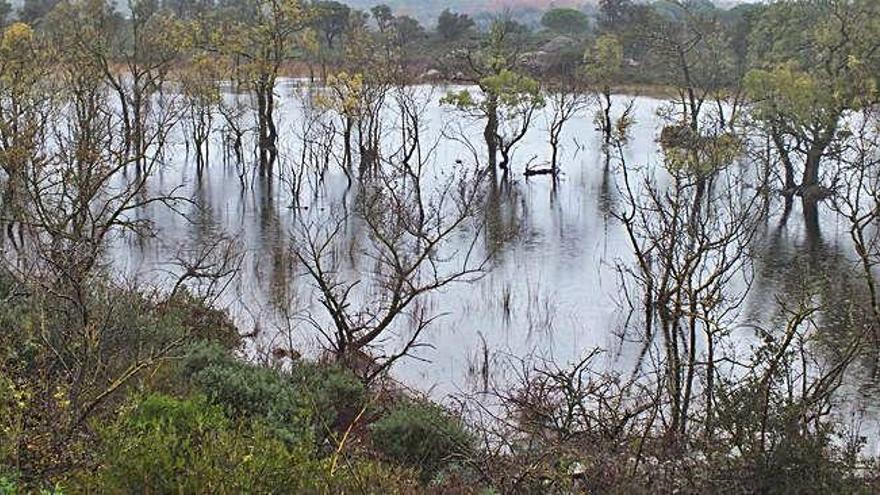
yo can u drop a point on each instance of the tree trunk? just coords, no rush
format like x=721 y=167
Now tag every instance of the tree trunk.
x=790 y=186
x=811 y=170
x=606 y=130
x=262 y=131
x=272 y=131
x=267 y=151
x=490 y=133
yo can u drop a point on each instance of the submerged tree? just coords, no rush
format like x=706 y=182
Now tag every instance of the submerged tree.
x=690 y=238
x=858 y=201
x=343 y=96
x=508 y=104
x=147 y=45
x=604 y=64
x=507 y=98
x=691 y=52
x=259 y=37
x=411 y=248
x=814 y=63
x=200 y=85
x=565 y=103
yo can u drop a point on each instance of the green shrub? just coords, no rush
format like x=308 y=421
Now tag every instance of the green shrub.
x=8 y=486
x=335 y=394
x=167 y=445
x=12 y=408
x=204 y=323
x=248 y=391
x=363 y=476
x=421 y=435
x=308 y=401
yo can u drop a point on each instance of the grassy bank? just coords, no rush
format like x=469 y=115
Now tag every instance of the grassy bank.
x=197 y=417
x=159 y=399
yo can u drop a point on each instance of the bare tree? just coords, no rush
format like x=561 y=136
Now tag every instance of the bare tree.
x=858 y=201
x=413 y=222
x=690 y=257
x=566 y=102
x=24 y=108
x=76 y=199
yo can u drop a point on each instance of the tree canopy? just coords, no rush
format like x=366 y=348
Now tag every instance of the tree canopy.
x=566 y=21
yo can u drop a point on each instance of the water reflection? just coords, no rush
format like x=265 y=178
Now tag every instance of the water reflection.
x=552 y=289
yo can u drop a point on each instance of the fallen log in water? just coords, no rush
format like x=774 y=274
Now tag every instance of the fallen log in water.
x=530 y=172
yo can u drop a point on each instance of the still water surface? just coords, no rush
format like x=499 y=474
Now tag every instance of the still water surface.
x=552 y=288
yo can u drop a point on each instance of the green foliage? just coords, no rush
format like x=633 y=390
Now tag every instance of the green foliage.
x=802 y=99
x=812 y=61
x=690 y=153
x=604 y=61
x=566 y=21
x=13 y=406
x=264 y=36
x=37 y=407
x=167 y=445
x=202 y=322
x=344 y=95
x=332 y=19
x=9 y=486
x=335 y=394
x=243 y=390
x=777 y=447
x=513 y=89
x=365 y=476
x=302 y=405
x=453 y=26
x=511 y=93
x=421 y=435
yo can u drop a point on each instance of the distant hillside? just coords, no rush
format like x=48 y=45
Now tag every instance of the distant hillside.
x=427 y=11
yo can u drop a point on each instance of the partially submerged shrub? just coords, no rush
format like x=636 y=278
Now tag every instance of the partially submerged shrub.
x=421 y=435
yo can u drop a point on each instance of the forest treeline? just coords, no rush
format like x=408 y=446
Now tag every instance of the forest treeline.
x=111 y=386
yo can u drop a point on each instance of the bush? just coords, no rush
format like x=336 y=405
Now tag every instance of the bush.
x=12 y=413
x=167 y=445
x=335 y=394
x=309 y=401
x=362 y=476
x=248 y=391
x=421 y=435
x=204 y=322
x=7 y=486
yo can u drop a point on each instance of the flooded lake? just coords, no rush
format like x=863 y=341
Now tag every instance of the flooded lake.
x=552 y=288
